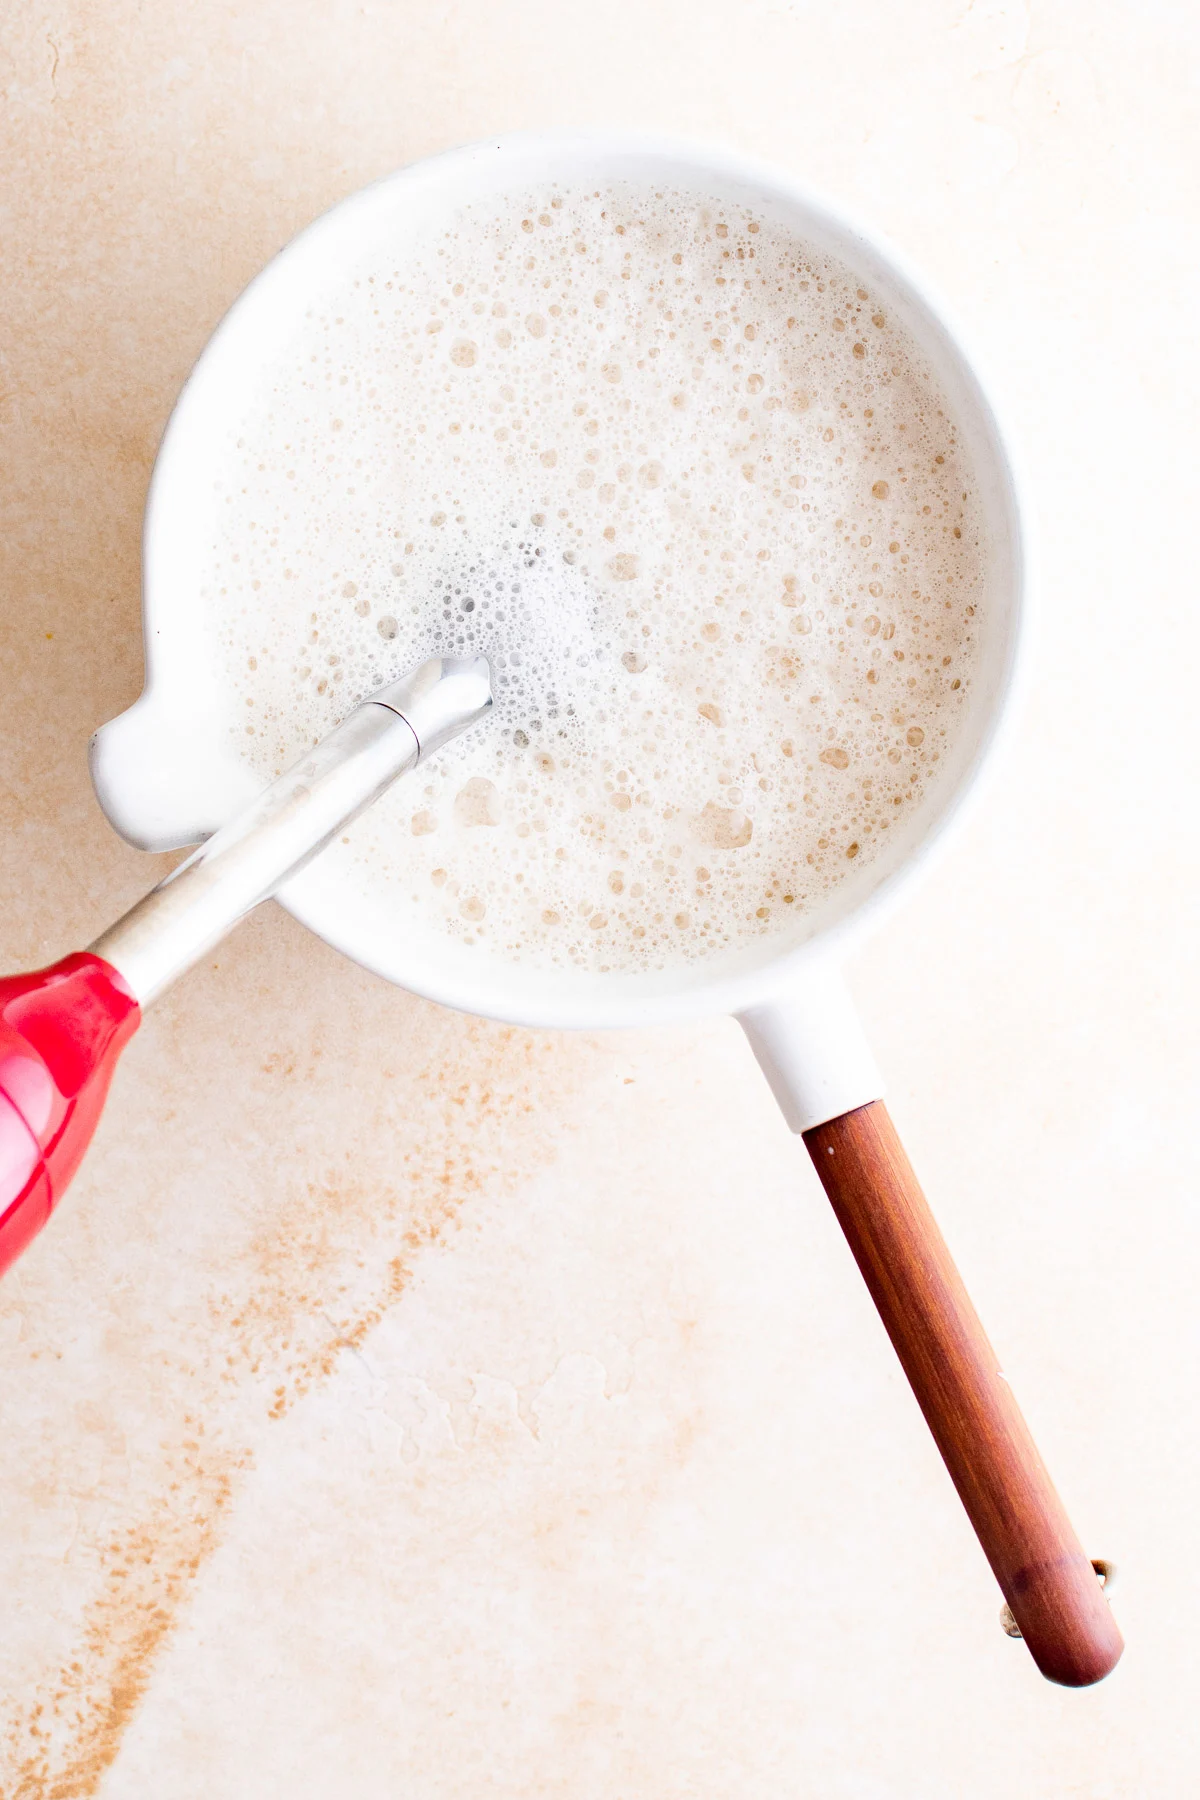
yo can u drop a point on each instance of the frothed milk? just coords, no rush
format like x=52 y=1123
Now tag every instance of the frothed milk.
x=695 y=494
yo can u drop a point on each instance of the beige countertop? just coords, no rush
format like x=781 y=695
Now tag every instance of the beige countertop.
x=404 y=1405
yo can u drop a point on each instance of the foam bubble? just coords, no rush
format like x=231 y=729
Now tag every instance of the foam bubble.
x=702 y=504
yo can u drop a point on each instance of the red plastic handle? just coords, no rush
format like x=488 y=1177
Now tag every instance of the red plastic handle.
x=61 y=1032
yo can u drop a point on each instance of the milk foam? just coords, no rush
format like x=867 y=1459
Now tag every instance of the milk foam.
x=696 y=495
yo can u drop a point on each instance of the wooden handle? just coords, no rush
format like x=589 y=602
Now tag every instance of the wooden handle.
x=1047 y=1580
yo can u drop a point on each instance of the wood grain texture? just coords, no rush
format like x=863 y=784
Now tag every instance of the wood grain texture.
x=1019 y=1519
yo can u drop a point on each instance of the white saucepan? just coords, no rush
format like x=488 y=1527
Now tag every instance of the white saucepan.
x=166 y=777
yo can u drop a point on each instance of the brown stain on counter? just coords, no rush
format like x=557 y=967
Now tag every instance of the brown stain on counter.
x=310 y=1291
x=73 y=1735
